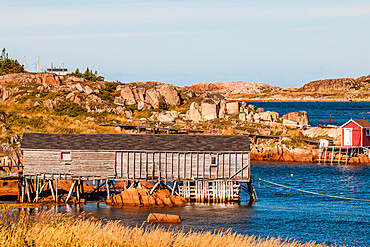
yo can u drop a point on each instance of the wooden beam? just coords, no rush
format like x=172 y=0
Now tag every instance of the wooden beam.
x=70 y=191
x=108 y=189
x=28 y=190
x=56 y=190
x=52 y=189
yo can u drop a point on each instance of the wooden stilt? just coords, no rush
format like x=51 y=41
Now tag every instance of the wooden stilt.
x=332 y=156
x=28 y=191
x=19 y=190
x=154 y=187
x=52 y=189
x=340 y=152
x=82 y=189
x=252 y=192
x=78 y=190
x=23 y=190
x=108 y=189
x=173 y=188
x=56 y=190
x=70 y=191
x=37 y=190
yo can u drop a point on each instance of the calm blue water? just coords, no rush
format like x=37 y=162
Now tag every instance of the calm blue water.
x=340 y=112
x=279 y=212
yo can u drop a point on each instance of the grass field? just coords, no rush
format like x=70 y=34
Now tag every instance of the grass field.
x=50 y=229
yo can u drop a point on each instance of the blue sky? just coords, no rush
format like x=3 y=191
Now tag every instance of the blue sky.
x=284 y=43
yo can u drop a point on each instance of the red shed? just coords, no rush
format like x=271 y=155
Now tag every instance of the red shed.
x=356 y=133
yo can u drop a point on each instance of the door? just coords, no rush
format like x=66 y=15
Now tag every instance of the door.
x=347 y=137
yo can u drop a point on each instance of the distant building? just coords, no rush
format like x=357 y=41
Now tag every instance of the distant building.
x=356 y=133
x=58 y=71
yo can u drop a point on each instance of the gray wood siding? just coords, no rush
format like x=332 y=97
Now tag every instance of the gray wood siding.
x=82 y=163
x=140 y=165
x=181 y=166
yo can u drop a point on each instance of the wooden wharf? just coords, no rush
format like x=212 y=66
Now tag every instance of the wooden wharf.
x=202 y=168
x=338 y=154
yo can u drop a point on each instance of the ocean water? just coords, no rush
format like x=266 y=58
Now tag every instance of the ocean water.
x=340 y=112
x=279 y=212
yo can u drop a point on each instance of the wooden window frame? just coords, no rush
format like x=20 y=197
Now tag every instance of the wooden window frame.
x=66 y=160
x=213 y=157
x=367 y=132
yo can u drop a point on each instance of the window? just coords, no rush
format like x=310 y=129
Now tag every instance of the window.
x=213 y=160
x=367 y=132
x=66 y=156
x=67 y=164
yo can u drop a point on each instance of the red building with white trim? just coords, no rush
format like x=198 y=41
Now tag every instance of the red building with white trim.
x=356 y=133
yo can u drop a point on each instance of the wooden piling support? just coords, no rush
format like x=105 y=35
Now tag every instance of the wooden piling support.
x=108 y=189
x=28 y=191
x=56 y=190
x=70 y=191
x=52 y=189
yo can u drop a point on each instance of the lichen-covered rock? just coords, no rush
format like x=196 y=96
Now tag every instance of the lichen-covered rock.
x=269 y=116
x=103 y=108
x=193 y=113
x=232 y=107
x=119 y=101
x=153 y=97
x=139 y=94
x=127 y=94
x=170 y=94
x=300 y=117
x=157 y=218
x=143 y=105
x=142 y=197
x=209 y=109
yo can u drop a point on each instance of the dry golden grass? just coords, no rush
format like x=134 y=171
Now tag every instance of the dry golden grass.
x=50 y=229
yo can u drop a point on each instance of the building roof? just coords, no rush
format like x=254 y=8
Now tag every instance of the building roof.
x=132 y=142
x=360 y=122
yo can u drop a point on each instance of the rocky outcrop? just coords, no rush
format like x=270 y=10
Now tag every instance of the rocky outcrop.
x=40 y=78
x=298 y=117
x=194 y=113
x=149 y=94
x=170 y=94
x=141 y=197
x=209 y=109
x=336 y=84
x=315 y=132
x=157 y=218
x=167 y=116
x=232 y=107
x=234 y=87
x=127 y=95
x=280 y=152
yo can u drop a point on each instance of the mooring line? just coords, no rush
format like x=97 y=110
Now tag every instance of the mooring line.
x=314 y=193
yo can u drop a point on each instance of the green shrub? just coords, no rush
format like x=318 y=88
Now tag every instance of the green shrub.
x=69 y=108
x=108 y=92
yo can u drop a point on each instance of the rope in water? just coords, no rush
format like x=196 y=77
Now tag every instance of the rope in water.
x=310 y=192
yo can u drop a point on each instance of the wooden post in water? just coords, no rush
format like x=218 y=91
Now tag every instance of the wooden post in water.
x=252 y=193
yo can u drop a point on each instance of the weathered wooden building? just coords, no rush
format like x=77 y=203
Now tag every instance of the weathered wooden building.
x=110 y=157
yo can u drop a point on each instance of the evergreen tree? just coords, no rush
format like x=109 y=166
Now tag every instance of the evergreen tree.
x=8 y=66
